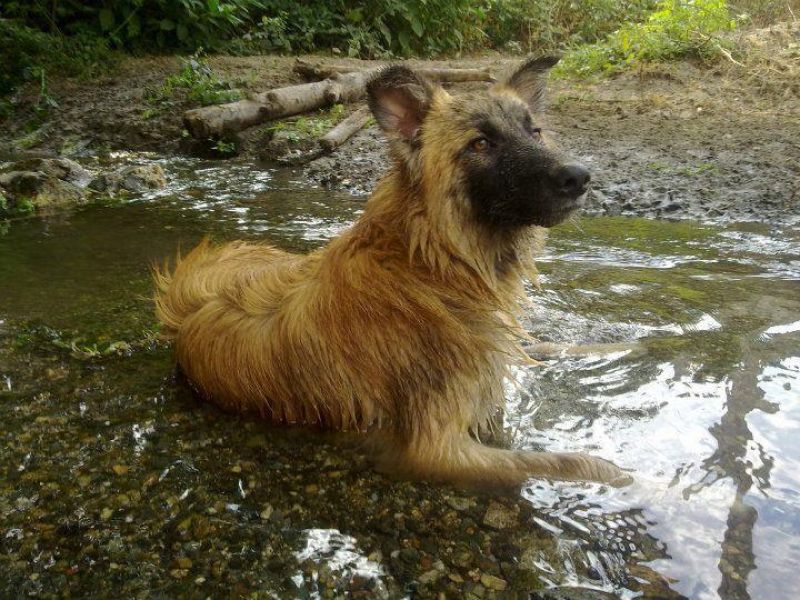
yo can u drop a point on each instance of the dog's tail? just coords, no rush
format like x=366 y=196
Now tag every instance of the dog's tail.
x=177 y=294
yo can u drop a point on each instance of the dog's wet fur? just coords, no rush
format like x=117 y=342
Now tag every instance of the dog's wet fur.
x=403 y=327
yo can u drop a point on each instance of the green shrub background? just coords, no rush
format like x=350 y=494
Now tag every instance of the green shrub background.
x=70 y=37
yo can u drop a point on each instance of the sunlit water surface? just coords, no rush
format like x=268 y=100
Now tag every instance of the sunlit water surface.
x=110 y=470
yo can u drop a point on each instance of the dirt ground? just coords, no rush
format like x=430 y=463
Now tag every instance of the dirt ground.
x=684 y=140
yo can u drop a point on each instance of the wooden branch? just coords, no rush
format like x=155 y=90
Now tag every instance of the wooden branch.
x=445 y=75
x=225 y=119
x=318 y=71
x=345 y=129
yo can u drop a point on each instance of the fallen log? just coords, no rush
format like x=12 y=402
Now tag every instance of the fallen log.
x=223 y=120
x=446 y=75
x=345 y=130
x=317 y=71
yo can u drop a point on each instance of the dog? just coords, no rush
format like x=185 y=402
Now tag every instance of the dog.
x=404 y=326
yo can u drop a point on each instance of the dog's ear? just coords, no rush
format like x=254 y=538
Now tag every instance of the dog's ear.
x=528 y=81
x=399 y=99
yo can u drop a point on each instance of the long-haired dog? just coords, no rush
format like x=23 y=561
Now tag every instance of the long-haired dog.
x=405 y=325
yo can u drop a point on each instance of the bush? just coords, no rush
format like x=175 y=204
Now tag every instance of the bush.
x=367 y=29
x=33 y=54
x=678 y=28
x=141 y=24
x=551 y=24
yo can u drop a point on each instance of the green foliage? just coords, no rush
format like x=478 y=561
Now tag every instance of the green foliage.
x=224 y=148
x=366 y=29
x=141 y=24
x=196 y=83
x=11 y=208
x=678 y=28
x=30 y=53
x=312 y=128
x=359 y=28
x=73 y=37
x=549 y=24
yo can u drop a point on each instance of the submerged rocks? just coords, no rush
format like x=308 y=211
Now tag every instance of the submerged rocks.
x=130 y=178
x=47 y=184
x=42 y=184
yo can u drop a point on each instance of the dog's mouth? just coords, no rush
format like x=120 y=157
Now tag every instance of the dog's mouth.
x=559 y=209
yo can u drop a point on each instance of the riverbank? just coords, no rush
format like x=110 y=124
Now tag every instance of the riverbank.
x=681 y=140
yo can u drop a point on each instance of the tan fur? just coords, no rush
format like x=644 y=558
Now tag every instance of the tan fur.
x=402 y=327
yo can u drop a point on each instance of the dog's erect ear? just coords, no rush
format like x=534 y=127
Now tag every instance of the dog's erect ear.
x=399 y=99
x=528 y=81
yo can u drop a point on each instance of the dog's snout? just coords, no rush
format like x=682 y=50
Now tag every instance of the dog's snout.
x=572 y=179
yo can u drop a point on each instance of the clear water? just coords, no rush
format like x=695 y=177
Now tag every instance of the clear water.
x=114 y=479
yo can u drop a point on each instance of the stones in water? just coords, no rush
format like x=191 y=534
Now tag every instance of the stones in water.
x=130 y=178
x=42 y=184
x=48 y=184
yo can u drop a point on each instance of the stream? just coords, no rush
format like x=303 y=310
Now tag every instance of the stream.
x=116 y=480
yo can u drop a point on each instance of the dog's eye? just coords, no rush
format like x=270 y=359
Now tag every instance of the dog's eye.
x=536 y=132
x=479 y=145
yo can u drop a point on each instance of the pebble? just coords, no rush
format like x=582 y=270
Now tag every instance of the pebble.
x=493 y=583
x=499 y=516
x=430 y=576
x=459 y=504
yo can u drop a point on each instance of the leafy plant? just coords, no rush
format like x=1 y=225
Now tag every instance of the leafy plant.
x=15 y=206
x=678 y=28
x=304 y=128
x=534 y=26
x=224 y=148
x=141 y=24
x=196 y=83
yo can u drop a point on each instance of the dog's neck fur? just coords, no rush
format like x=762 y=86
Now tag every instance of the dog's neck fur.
x=396 y=221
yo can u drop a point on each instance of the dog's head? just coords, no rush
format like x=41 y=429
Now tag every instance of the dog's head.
x=486 y=150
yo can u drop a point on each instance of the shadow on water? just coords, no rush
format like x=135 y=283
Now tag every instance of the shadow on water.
x=114 y=479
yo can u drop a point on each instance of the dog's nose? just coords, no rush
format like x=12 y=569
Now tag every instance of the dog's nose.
x=572 y=179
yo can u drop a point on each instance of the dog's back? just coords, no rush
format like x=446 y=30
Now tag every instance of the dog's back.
x=224 y=305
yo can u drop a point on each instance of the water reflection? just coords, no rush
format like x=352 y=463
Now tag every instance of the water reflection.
x=334 y=557
x=704 y=480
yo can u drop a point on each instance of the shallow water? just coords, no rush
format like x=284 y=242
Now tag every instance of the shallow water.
x=114 y=479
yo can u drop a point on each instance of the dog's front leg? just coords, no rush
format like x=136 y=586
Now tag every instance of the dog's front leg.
x=457 y=458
